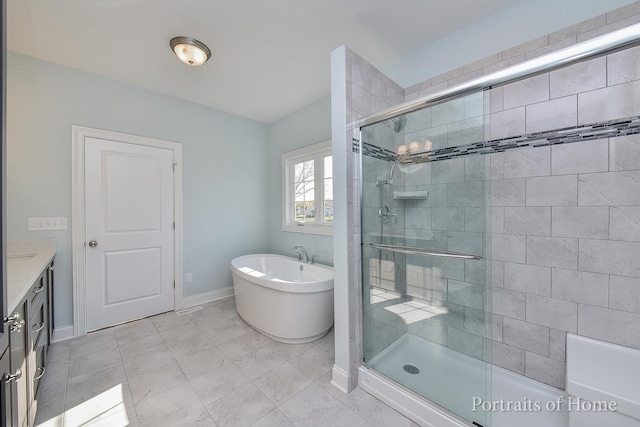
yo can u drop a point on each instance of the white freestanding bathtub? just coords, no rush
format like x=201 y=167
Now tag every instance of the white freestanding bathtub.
x=284 y=299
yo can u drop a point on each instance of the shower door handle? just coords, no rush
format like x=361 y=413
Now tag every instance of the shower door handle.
x=421 y=251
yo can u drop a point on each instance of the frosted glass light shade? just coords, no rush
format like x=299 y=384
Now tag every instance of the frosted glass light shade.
x=190 y=51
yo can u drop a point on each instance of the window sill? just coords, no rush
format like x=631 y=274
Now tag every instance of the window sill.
x=323 y=230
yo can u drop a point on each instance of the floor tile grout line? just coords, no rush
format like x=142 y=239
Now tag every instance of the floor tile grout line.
x=126 y=376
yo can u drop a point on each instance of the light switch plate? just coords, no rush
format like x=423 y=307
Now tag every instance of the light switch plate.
x=40 y=224
x=189 y=277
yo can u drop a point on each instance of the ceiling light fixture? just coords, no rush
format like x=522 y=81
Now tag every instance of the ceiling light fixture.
x=190 y=51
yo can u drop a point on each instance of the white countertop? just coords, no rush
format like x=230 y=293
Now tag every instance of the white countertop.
x=25 y=262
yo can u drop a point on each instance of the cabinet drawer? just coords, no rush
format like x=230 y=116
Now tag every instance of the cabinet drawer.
x=38 y=290
x=39 y=370
x=37 y=322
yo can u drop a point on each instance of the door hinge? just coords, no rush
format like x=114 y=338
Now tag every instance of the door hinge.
x=174 y=166
x=174 y=225
x=174 y=284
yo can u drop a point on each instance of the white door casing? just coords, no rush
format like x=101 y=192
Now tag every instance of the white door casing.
x=127 y=196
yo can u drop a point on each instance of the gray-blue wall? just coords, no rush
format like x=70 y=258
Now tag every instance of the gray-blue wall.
x=225 y=191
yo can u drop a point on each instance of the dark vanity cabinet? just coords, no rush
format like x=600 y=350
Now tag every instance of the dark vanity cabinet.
x=29 y=328
x=40 y=316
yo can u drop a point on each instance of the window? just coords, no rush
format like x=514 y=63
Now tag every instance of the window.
x=308 y=189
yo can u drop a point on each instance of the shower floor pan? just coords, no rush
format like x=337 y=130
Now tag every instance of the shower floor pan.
x=452 y=380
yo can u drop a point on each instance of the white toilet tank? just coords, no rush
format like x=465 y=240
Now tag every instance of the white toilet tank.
x=603 y=381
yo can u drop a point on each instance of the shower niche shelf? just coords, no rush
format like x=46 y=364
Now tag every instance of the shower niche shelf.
x=410 y=195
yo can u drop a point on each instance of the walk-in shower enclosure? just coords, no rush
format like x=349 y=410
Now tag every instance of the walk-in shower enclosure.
x=425 y=225
x=496 y=217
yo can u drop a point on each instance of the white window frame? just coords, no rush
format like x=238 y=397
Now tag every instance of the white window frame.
x=315 y=152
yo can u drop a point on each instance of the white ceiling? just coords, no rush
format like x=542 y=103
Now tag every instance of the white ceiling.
x=269 y=57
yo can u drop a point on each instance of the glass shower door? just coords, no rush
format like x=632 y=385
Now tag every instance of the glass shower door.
x=424 y=231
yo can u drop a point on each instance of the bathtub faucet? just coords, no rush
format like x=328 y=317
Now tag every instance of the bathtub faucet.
x=300 y=250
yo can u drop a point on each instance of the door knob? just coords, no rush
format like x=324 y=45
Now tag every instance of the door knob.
x=93 y=243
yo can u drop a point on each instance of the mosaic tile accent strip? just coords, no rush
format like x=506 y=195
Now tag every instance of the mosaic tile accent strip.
x=608 y=129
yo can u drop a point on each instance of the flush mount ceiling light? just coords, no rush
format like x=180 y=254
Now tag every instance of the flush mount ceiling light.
x=190 y=51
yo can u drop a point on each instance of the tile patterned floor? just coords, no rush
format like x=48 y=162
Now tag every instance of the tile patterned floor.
x=207 y=368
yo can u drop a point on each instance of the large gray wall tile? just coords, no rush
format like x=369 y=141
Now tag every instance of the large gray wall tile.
x=466 y=294
x=465 y=194
x=464 y=342
x=622 y=67
x=552 y=252
x=463 y=242
x=508 y=247
x=496 y=327
x=624 y=153
x=618 y=327
x=474 y=168
x=580 y=157
x=609 y=189
x=507 y=357
x=544 y=369
x=523 y=48
x=497 y=273
x=448 y=218
x=527 y=220
x=475 y=271
x=554 y=313
x=580 y=286
x=625 y=223
x=610 y=257
x=526 y=336
x=532 y=279
x=497 y=165
x=495 y=100
x=579 y=28
x=581 y=221
x=477 y=322
x=447 y=112
x=552 y=191
x=497 y=220
x=508 y=192
x=557 y=344
x=432 y=330
x=527 y=91
x=624 y=293
x=554 y=114
x=595 y=106
x=623 y=12
x=505 y=302
x=527 y=162
x=580 y=77
x=475 y=219
x=451 y=170
x=507 y=123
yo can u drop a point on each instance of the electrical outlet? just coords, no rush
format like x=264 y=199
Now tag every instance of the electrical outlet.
x=40 y=224
x=189 y=277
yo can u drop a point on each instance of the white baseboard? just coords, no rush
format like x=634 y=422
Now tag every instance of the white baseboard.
x=206 y=297
x=62 y=333
x=340 y=379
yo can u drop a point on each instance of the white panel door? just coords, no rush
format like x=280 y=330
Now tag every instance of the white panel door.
x=129 y=232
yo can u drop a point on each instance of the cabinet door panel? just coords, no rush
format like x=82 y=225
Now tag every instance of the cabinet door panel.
x=19 y=347
x=6 y=398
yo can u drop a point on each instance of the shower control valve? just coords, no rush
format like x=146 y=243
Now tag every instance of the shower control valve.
x=385 y=215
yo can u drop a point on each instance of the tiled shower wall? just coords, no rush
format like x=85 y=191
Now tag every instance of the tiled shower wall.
x=367 y=90
x=565 y=219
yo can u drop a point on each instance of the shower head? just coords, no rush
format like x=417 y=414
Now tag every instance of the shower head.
x=399 y=123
